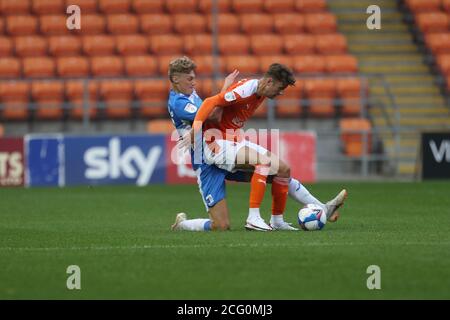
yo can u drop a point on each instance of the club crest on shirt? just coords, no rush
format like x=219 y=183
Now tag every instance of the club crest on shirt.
x=190 y=108
x=230 y=96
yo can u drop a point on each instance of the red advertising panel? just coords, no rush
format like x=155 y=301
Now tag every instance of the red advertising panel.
x=179 y=168
x=11 y=162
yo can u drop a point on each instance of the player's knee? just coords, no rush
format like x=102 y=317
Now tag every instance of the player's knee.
x=284 y=170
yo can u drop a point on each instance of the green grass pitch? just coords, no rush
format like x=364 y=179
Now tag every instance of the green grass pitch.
x=120 y=238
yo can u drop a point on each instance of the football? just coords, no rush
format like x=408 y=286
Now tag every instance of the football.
x=312 y=217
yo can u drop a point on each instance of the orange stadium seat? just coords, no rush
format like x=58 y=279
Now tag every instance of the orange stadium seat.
x=311 y=5
x=98 y=45
x=134 y=44
x=148 y=6
x=10 y=67
x=86 y=6
x=141 y=66
x=334 y=43
x=206 y=6
x=266 y=44
x=15 y=7
x=288 y=23
x=75 y=94
x=233 y=44
x=48 y=6
x=443 y=62
x=309 y=64
x=266 y=60
x=446 y=5
x=156 y=23
x=123 y=23
x=349 y=90
x=64 y=45
x=92 y=24
x=72 y=67
x=181 y=6
x=321 y=94
x=2 y=25
x=205 y=64
x=189 y=23
x=114 y=6
x=152 y=95
x=248 y=6
x=49 y=96
x=341 y=64
x=320 y=23
x=289 y=104
x=279 y=6
x=53 y=25
x=424 y=5
x=30 y=46
x=107 y=66
x=160 y=126
x=352 y=131
x=198 y=44
x=226 y=23
x=299 y=44
x=209 y=87
x=15 y=97
x=6 y=46
x=433 y=22
x=256 y=23
x=117 y=95
x=166 y=44
x=38 y=67
x=21 y=25
x=245 y=64
x=438 y=42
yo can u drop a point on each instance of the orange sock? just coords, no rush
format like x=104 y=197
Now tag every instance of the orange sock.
x=280 y=188
x=258 y=186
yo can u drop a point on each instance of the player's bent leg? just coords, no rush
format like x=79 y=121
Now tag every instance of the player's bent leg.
x=219 y=216
x=182 y=223
x=334 y=204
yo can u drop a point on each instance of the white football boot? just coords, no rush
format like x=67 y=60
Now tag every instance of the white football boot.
x=334 y=204
x=257 y=224
x=179 y=218
x=282 y=226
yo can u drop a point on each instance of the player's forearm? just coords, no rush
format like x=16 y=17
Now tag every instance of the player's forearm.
x=204 y=111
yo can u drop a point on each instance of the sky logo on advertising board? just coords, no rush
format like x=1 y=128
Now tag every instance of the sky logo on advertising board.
x=110 y=162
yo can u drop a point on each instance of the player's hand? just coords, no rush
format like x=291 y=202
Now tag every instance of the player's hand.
x=186 y=141
x=229 y=80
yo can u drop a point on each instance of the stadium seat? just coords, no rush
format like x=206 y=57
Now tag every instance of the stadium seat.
x=160 y=126
x=92 y=24
x=134 y=44
x=299 y=44
x=206 y=6
x=209 y=87
x=306 y=6
x=114 y=6
x=156 y=24
x=433 y=22
x=72 y=66
x=438 y=42
x=14 y=7
x=253 y=23
x=232 y=44
x=181 y=6
x=423 y=5
x=21 y=25
x=309 y=64
x=49 y=96
x=98 y=45
x=288 y=23
x=247 y=65
x=107 y=66
x=2 y=25
x=117 y=95
x=10 y=67
x=352 y=131
x=50 y=25
x=248 y=6
x=15 y=97
x=279 y=6
x=75 y=94
x=189 y=23
x=38 y=67
x=140 y=66
x=446 y=5
x=266 y=60
x=206 y=64
x=166 y=44
x=148 y=6
x=226 y=23
x=341 y=64
x=443 y=62
x=331 y=43
x=153 y=95
x=266 y=44
x=198 y=44
x=30 y=46
x=320 y=23
x=321 y=94
x=349 y=90
x=122 y=23
x=86 y=6
x=64 y=46
x=41 y=7
x=6 y=46
x=289 y=103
